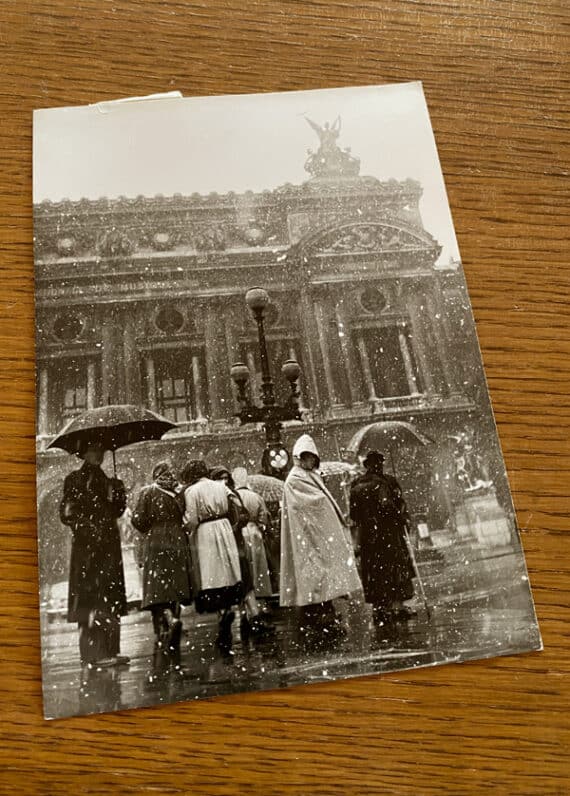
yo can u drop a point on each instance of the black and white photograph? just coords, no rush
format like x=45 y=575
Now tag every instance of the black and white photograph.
x=266 y=454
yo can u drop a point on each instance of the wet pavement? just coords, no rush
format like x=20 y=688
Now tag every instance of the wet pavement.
x=484 y=619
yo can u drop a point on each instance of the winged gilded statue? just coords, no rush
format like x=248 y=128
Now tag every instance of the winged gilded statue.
x=328 y=134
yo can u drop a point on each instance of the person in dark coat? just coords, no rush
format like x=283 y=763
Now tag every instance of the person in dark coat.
x=166 y=564
x=378 y=509
x=91 y=505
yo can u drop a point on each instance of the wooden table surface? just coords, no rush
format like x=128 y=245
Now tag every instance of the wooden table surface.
x=497 y=79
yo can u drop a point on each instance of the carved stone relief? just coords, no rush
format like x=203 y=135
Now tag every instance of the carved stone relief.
x=367 y=237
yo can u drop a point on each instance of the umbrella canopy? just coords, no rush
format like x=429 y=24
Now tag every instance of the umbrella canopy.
x=268 y=487
x=328 y=469
x=113 y=426
x=386 y=434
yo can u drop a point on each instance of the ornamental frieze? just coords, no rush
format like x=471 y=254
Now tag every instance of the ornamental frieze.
x=131 y=289
x=163 y=240
x=119 y=228
x=65 y=239
x=365 y=237
x=115 y=243
x=210 y=238
x=124 y=241
x=254 y=234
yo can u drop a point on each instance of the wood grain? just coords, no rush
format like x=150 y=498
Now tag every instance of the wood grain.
x=497 y=82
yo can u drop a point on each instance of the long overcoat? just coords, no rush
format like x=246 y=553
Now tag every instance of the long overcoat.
x=378 y=509
x=214 y=552
x=91 y=505
x=254 y=542
x=166 y=559
x=317 y=557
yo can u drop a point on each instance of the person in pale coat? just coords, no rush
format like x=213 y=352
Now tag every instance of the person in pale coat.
x=317 y=557
x=252 y=623
x=215 y=557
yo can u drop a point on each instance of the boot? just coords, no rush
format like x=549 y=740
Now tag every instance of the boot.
x=159 y=667
x=403 y=614
x=335 y=630
x=330 y=625
x=257 y=627
x=244 y=629
x=310 y=632
x=173 y=632
x=224 y=640
x=381 y=616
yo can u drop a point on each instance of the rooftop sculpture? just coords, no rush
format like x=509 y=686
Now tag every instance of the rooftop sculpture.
x=330 y=161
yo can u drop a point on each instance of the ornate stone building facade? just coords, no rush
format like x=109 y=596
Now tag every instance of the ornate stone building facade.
x=142 y=301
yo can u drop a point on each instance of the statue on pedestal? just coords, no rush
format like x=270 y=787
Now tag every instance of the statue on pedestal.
x=477 y=514
x=470 y=470
x=330 y=160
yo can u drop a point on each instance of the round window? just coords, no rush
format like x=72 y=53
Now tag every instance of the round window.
x=162 y=241
x=169 y=320
x=65 y=246
x=373 y=300
x=67 y=327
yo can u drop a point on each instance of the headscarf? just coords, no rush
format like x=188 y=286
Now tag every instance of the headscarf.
x=193 y=471
x=163 y=477
x=216 y=474
x=240 y=477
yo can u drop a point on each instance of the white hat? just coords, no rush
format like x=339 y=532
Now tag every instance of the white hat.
x=240 y=477
x=305 y=444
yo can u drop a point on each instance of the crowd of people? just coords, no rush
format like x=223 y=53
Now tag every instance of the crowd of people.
x=204 y=543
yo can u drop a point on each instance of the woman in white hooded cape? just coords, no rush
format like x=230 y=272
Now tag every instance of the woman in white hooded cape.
x=317 y=556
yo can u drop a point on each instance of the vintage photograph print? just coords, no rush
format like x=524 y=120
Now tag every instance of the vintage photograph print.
x=266 y=454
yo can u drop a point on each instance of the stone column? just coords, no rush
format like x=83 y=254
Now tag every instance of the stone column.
x=375 y=402
x=217 y=365
x=348 y=351
x=408 y=364
x=457 y=362
x=293 y=355
x=150 y=383
x=197 y=380
x=131 y=357
x=231 y=327
x=436 y=367
x=111 y=360
x=254 y=383
x=443 y=351
x=319 y=314
x=315 y=379
x=43 y=416
x=417 y=311
x=91 y=385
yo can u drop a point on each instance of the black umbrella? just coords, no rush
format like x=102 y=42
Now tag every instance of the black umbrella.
x=113 y=426
x=387 y=435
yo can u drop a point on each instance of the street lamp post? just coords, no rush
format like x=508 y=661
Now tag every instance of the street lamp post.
x=269 y=413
